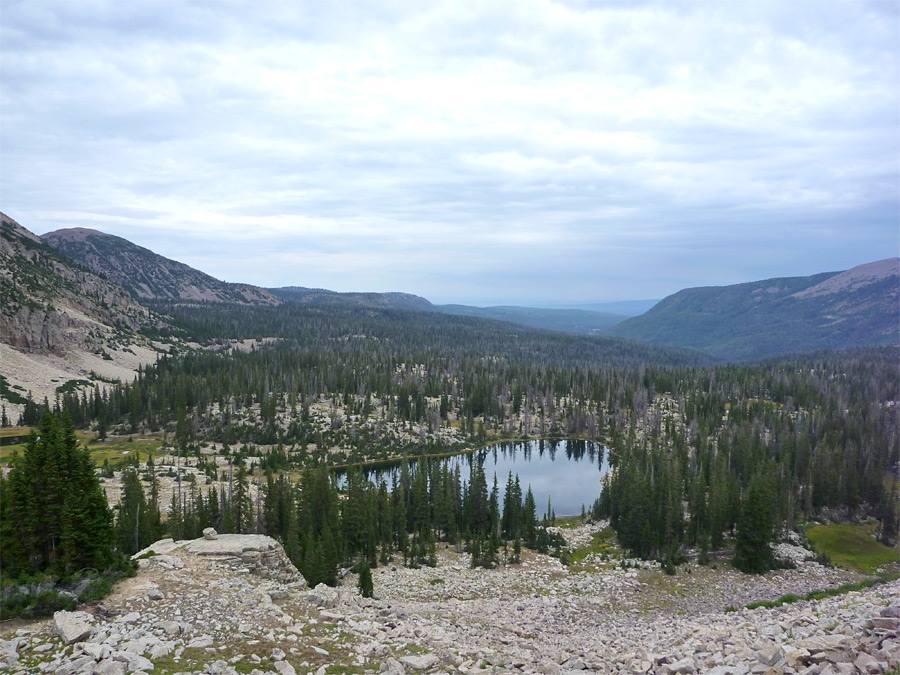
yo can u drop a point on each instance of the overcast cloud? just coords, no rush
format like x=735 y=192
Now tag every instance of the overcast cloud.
x=526 y=152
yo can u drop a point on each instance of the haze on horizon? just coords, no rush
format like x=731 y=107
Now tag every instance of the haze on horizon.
x=528 y=152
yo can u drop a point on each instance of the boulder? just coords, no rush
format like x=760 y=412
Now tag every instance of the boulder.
x=210 y=534
x=419 y=661
x=322 y=596
x=72 y=626
x=284 y=668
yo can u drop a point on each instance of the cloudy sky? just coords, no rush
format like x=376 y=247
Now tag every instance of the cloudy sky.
x=528 y=152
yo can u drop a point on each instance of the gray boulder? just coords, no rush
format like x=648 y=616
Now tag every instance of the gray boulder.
x=72 y=626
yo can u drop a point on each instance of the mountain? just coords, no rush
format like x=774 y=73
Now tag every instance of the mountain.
x=313 y=296
x=564 y=320
x=148 y=275
x=833 y=310
x=48 y=304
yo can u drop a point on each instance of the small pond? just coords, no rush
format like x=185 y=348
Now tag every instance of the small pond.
x=568 y=472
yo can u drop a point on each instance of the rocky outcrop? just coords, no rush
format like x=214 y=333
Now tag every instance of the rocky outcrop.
x=248 y=553
x=48 y=304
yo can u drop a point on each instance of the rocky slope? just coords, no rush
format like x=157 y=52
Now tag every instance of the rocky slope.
x=236 y=605
x=835 y=310
x=148 y=275
x=61 y=323
x=48 y=304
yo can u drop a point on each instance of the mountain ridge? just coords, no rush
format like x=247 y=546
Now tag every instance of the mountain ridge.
x=830 y=310
x=148 y=275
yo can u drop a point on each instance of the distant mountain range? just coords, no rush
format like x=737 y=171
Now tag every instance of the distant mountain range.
x=564 y=320
x=148 y=275
x=834 y=310
x=46 y=295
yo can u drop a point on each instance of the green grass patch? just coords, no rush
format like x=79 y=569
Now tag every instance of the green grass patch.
x=852 y=547
x=603 y=541
x=823 y=593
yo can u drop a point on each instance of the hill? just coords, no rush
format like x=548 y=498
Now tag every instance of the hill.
x=148 y=275
x=50 y=304
x=833 y=310
x=564 y=320
x=61 y=325
x=315 y=296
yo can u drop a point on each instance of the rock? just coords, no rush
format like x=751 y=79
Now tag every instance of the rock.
x=892 y=612
x=201 y=642
x=320 y=651
x=72 y=626
x=110 y=667
x=134 y=662
x=797 y=658
x=278 y=654
x=284 y=668
x=322 y=596
x=683 y=667
x=770 y=655
x=170 y=628
x=331 y=617
x=210 y=534
x=574 y=664
x=155 y=594
x=391 y=666
x=548 y=667
x=75 y=665
x=419 y=661
x=130 y=618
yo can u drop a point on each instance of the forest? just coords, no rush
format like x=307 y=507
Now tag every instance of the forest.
x=705 y=455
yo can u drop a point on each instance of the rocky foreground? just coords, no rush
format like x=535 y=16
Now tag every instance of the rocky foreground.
x=235 y=604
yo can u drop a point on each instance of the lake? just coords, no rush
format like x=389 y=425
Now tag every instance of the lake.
x=568 y=472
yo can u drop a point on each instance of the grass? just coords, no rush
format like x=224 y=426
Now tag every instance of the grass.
x=603 y=541
x=852 y=547
x=823 y=593
x=113 y=449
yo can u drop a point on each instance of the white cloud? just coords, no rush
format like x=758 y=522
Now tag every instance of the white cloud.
x=437 y=149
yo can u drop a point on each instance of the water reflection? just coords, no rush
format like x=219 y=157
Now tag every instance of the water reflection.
x=568 y=472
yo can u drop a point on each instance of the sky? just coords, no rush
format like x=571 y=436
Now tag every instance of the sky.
x=523 y=152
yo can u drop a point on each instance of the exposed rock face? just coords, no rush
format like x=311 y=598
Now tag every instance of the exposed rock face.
x=147 y=275
x=48 y=304
x=253 y=553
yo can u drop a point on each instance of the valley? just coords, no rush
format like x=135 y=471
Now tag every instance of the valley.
x=180 y=403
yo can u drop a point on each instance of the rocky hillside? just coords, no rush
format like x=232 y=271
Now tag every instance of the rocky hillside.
x=148 y=275
x=48 y=304
x=234 y=604
x=834 y=310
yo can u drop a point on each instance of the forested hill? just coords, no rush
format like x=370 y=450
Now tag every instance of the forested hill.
x=566 y=320
x=834 y=310
x=318 y=296
x=148 y=275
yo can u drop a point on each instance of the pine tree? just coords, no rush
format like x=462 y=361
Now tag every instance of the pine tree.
x=366 y=587
x=756 y=527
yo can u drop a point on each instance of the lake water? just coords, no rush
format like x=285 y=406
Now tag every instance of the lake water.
x=567 y=471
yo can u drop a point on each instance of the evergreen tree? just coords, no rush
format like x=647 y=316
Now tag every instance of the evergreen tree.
x=366 y=587
x=756 y=527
